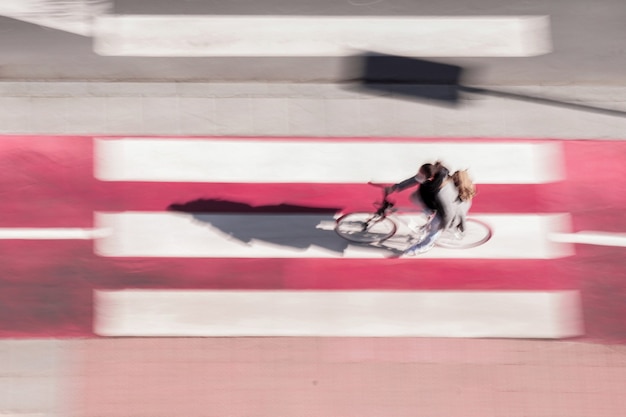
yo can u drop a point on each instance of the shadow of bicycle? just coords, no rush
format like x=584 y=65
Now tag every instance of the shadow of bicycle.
x=288 y=225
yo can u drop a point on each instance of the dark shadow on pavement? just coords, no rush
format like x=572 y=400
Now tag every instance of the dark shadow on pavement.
x=411 y=78
x=283 y=224
x=434 y=82
x=227 y=206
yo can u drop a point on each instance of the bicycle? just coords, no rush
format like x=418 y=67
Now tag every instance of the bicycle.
x=375 y=228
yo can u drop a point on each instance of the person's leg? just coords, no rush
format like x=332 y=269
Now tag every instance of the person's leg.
x=464 y=209
x=416 y=224
x=434 y=230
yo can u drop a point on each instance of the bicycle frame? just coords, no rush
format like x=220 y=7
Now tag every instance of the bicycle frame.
x=386 y=209
x=382 y=225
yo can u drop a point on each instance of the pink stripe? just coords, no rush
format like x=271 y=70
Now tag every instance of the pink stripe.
x=47 y=182
x=349 y=274
x=596 y=186
x=596 y=197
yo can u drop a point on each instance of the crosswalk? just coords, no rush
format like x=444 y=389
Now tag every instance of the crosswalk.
x=148 y=224
x=212 y=232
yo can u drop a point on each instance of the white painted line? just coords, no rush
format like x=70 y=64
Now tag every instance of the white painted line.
x=73 y=16
x=591 y=238
x=193 y=36
x=308 y=161
x=162 y=313
x=167 y=234
x=51 y=233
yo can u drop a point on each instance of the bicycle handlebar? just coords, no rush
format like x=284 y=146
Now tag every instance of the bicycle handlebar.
x=383 y=186
x=375 y=184
x=385 y=204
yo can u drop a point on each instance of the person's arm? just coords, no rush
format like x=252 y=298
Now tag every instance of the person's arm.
x=403 y=185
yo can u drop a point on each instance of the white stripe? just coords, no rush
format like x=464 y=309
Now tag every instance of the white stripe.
x=73 y=16
x=158 y=234
x=306 y=161
x=529 y=314
x=159 y=35
x=51 y=233
x=592 y=238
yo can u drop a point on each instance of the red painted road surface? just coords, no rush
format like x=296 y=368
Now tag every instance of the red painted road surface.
x=46 y=285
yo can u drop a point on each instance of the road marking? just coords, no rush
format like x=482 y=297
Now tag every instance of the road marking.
x=278 y=36
x=591 y=238
x=319 y=161
x=170 y=234
x=518 y=314
x=73 y=16
x=51 y=233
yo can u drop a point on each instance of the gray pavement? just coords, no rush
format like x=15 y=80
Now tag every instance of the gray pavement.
x=306 y=109
x=587 y=38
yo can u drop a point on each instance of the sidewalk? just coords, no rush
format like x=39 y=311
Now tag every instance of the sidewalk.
x=367 y=377
x=266 y=109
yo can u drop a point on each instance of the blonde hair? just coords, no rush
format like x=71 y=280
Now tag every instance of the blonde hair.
x=463 y=182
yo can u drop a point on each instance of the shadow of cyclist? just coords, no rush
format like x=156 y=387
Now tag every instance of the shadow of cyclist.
x=284 y=224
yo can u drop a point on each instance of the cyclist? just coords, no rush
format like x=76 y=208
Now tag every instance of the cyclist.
x=440 y=198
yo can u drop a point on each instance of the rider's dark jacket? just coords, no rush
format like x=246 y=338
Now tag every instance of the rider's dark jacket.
x=428 y=190
x=440 y=197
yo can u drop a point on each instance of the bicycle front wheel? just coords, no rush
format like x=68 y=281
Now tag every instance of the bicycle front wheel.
x=476 y=233
x=365 y=227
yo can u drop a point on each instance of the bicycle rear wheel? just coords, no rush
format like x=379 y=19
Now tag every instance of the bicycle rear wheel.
x=364 y=227
x=476 y=233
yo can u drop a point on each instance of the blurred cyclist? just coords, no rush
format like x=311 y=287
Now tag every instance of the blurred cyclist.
x=440 y=198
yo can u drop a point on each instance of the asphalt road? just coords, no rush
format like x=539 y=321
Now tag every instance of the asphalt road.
x=588 y=39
